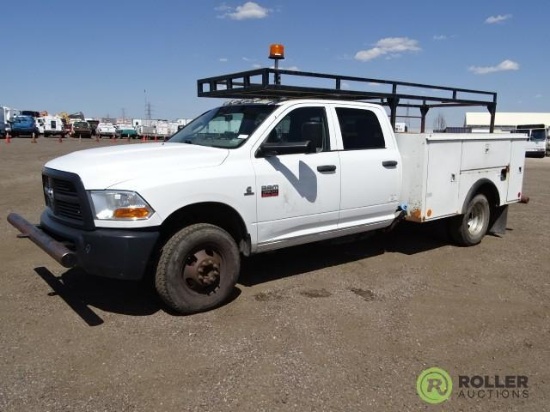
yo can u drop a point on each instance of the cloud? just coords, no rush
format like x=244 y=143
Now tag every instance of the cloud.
x=391 y=46
x=224 y=59
x=249 y=10
x=497 y=19
x=506 y=65
x=440 y=37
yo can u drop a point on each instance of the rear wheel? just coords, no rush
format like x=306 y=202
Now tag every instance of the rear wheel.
x=468 y=229
x=198 y=268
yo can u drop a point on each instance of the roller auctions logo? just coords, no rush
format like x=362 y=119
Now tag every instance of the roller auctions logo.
x=434 y=385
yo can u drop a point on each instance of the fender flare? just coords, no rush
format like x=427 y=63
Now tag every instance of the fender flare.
x=482 y=186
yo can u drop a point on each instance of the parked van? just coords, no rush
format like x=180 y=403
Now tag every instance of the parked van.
x=52 y=125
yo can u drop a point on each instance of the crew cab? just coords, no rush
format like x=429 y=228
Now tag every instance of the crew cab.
x=257 y=175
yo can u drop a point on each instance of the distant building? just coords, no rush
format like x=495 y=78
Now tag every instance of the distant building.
x=504 y=121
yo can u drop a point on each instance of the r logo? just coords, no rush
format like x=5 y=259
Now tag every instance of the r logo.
x=434 y=385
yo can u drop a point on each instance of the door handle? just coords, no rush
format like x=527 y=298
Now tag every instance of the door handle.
x=326 y=168
x=389 y=163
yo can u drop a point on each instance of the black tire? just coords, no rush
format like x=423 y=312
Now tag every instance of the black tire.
x=468 y=229
x=198 y=268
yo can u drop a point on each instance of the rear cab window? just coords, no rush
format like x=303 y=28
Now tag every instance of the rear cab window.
x=360 y=129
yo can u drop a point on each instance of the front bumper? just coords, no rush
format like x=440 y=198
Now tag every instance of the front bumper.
x=113 y=253
x=536 y=152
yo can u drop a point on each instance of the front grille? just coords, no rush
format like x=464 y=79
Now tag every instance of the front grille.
x=68 y=209
x=65 y=196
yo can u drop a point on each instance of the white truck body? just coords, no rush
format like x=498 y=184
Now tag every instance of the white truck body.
x=51 y=125
x=433 y=172
x=439 y=170
x=154 y=127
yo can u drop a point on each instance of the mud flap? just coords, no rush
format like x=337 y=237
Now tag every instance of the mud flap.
x=499 y=220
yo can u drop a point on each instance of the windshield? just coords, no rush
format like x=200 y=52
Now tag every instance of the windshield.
x=224 y=127
x=535 y=135
x=23 y=119
x=538 y=135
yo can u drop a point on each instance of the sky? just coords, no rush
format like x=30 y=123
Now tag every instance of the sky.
x=114 y=58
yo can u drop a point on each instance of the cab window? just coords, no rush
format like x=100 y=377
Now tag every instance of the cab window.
x=360 y=129
x=303 y=124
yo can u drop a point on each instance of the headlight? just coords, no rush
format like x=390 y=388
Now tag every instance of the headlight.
x=119 y=205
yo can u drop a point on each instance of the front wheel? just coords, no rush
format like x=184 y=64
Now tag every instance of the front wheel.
x=468 y=229
x=198 y=268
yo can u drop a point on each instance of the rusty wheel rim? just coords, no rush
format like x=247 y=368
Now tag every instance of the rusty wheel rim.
x=201 y=270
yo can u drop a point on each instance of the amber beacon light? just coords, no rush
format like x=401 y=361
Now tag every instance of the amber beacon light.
x=276 y=52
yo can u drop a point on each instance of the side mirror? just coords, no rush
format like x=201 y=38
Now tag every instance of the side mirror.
x=281 y=148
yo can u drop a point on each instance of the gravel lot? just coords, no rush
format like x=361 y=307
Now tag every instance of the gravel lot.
x=325 y=327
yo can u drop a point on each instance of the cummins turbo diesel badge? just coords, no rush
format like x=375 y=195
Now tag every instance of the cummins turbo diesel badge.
x=270 y=191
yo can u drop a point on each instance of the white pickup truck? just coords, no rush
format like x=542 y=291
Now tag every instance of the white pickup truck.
x=254 y=176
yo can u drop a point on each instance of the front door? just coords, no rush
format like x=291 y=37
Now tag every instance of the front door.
x=298 y=195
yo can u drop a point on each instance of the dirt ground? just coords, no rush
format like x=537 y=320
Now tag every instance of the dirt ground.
x=325 y=327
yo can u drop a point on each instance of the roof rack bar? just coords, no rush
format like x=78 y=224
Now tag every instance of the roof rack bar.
x=268 y=83
x=264 y=73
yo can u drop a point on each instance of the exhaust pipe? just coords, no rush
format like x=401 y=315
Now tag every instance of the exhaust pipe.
x=52 y=247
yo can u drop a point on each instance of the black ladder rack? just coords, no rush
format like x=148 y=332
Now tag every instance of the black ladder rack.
x=267 y=83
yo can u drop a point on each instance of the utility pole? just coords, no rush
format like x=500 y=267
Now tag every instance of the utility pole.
x=145 y=106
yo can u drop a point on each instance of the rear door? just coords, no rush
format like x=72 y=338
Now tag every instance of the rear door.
x=370 y=169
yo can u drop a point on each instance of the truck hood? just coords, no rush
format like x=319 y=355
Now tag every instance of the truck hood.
x=104 y=167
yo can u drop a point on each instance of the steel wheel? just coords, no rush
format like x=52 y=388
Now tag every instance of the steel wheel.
x=201 y=271
x=477 y=219
x=468 y=229
x=198 y=268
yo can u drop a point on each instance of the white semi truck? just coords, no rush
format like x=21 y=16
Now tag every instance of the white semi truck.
x=277 y=167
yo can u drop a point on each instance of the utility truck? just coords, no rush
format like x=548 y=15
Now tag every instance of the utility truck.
x=279 y=165
x=538 y=136
x=52 y=125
